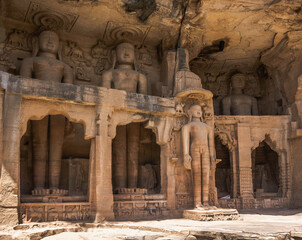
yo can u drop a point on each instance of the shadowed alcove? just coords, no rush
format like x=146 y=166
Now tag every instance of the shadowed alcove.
x=74 y=160
x=265 y=171
x=135 y=159
x=223 y=170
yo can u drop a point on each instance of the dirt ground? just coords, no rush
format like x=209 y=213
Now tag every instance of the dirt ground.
x=253 y=224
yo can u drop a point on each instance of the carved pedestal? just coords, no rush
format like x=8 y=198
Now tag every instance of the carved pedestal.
x=211 y=214
x=138 y=205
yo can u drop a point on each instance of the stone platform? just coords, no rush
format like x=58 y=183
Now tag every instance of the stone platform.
x=135 y=203
x=52 y=198
x=211 y=214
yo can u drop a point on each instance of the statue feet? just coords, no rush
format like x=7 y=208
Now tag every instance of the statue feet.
x=40 y=192
x=47 y=192
x=59 y=192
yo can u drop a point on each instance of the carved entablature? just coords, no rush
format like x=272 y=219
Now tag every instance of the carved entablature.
x=226 y=133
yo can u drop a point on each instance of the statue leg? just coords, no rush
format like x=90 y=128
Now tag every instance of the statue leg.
x=56 y=132
x=196 y=168
x=40 y=151
x=132 y=153
x=119 y=158
x=205 y=177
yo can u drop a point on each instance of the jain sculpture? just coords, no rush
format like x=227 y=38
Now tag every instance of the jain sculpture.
x=198 y=152
x=45 y=65
x=239 y=103
x=124 y=76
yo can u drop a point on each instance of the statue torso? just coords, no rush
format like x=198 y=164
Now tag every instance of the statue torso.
x=125 y=80
x=241 y=104
x=198 y=133
x=48 y=69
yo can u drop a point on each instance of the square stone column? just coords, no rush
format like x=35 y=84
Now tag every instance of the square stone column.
x=102 y=203
x=1 y=126
x=10 y=169
x=170 y=184
x=245 y=165
x=234 y=172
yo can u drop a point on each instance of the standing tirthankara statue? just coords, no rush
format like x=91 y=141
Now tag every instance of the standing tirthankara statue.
x=238 y=103
x=45 y=65
x=124 y=76
x=198 y=152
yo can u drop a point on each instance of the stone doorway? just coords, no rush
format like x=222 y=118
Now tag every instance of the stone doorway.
x=223 y=178
x=265 y=164
x=73 y=172
x=135 y=159
x=136 y=174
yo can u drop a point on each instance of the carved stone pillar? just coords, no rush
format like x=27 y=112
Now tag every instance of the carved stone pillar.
x=1 y=126
x=284 y=182
x=169 y=185
x=103 y=167
x=245 y=164
x=119 y=158
x=10 y=177
x=234 y=172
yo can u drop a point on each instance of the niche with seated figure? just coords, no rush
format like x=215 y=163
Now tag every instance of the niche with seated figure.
x=54 y=161
x=265 y=171
x=135 y=160
x=223 y=170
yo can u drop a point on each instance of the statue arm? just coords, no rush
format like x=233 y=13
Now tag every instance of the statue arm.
x=68 y=75
x=106 y=79
x=26 y=69
x=254 y=107
x=226 y=106
x=185 y=133
x=142 y=84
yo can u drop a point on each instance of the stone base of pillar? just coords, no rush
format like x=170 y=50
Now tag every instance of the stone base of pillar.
x=211 y=214
x=247 y=202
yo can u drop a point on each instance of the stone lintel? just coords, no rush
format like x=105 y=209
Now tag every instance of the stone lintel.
x=85 y=95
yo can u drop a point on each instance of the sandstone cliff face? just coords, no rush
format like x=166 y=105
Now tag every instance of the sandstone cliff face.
x=261 y=38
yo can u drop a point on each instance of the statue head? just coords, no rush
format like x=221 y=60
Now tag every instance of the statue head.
x=125 y=53
x=238 y=81
x=49 y=42
x=195 y=111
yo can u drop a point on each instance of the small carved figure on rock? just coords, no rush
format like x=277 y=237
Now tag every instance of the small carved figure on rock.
x=75 y=51
x=198 y=152
x=16 y=39
x=48 y=133
x=239 y=103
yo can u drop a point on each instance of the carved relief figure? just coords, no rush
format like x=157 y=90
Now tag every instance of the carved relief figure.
x=126 y=143
x=198 y=152
x=16 y=39
x=46 y=66
x=239 y=103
